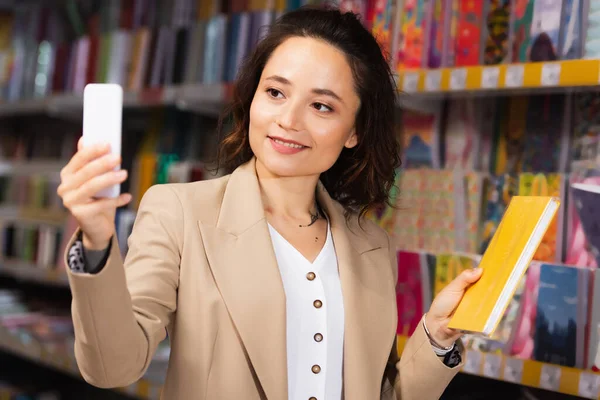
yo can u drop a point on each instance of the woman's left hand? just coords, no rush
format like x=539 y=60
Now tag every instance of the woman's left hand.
x=443 y=307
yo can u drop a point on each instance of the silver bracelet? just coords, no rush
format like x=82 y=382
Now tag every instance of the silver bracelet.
x=437 y=348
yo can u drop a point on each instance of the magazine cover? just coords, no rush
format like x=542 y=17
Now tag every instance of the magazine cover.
x=521 y=30
x=497 y=32
x=469 y=36
x=545 y=30
x=414 y=26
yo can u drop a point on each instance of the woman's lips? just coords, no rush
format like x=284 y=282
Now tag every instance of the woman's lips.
x=284 y=146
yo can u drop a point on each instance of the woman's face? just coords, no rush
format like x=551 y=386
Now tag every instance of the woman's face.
x=303 y=112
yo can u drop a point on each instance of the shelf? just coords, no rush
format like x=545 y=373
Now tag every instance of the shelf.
x=34 y=167
x=26 y=271
x=556 y=378
x=537 y=76
x=210 y=98
x=32 y=215
x=37 y=352
x=202 y=98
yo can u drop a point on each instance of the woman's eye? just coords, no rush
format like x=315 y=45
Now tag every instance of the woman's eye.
x=275 y=93
x=322 y=107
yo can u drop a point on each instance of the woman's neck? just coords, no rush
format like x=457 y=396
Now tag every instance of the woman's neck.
x=291 y=198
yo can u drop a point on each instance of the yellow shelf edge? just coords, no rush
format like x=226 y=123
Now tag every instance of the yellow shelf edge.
x=564 y=73
x=531 y=375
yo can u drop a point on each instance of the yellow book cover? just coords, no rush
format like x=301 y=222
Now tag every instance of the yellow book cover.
x=504 y=263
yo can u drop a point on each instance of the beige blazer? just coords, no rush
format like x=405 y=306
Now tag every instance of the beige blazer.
x=201 y=267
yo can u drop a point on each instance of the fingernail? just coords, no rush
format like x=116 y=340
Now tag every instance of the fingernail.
x=121 y=173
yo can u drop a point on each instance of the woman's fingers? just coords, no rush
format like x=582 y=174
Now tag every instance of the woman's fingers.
x=83 y=211
x=90 y=170
x=88 y=189
x=464 y=280
x=82 y=157
x=447 y=300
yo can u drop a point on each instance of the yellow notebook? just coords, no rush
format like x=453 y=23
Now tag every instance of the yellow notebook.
x=504 y=263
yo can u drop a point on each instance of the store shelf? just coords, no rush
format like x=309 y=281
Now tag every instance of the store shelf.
x=38 y=353
x=34 y=167
x=26 y=271
x=509 y=77
x=32 y=215
x=530 y=373
x=203 y=98
x=22 y=107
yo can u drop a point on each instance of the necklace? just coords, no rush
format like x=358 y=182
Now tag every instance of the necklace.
x=313 y=217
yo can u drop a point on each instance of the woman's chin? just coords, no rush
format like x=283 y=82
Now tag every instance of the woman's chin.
x=284 y=169
x=282 y=166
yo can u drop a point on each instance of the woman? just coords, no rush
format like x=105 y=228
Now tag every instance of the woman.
x=269 y=281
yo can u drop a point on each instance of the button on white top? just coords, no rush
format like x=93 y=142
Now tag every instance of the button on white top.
x=306 y=323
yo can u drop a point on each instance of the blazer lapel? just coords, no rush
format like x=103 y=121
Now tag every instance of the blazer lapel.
x=241 y=256
x=369 y=302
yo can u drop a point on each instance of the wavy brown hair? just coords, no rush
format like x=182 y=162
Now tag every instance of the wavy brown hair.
x=363 y=176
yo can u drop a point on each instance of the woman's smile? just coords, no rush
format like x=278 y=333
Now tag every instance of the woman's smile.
x=285 y=146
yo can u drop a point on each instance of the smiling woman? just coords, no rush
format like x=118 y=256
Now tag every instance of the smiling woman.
x=302 y=113
x=319 y=86
x=270 y=282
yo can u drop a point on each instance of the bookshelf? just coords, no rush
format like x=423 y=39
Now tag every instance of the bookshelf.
x=39 y=353
x=495 y=79
x=196 y=77
x=552 y=377
x=206 y=99
x=29 y=272
x=48 y=167
x=209 y=99
x=32 y=215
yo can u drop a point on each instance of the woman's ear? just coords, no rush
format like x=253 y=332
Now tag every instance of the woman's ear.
x=352 y=140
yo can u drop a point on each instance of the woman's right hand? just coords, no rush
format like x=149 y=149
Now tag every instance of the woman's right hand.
x=90 y=170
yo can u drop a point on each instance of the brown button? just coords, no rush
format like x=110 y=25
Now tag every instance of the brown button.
x=311 y=276
x=318 y=337
x=318 y=303
x=312 y=398
x=316 y=369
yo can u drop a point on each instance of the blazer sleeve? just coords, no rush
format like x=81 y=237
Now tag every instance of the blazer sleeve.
x=421 y=374
x=120 y=314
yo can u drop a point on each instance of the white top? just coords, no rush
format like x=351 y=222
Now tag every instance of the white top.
x=315 y=332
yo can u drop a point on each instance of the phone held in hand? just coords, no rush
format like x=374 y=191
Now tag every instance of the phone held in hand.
x=102 y=122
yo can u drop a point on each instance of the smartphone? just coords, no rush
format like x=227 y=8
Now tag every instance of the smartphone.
x=102 y=122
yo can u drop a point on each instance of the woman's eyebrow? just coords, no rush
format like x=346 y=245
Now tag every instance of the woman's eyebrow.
x=321 y=91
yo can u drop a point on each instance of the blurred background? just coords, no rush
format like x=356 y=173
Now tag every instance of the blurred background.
x=496 y=98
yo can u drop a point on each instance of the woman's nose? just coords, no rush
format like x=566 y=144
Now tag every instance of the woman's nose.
x=289 y=117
